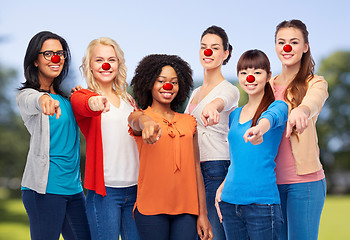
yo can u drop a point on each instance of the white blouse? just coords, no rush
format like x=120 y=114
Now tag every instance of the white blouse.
x=120 y=154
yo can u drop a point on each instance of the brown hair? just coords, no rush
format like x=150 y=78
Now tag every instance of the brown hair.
x=257 y=59
x=298 y=86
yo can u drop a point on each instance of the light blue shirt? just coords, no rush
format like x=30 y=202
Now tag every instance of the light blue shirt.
x=251 y=177
x=64 y=171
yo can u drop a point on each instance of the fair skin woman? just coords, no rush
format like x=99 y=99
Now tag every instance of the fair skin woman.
x=212 y=77
x=298 y=117
x=299 y=173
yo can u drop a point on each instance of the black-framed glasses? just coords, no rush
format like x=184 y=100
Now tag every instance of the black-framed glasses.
x=48 y=54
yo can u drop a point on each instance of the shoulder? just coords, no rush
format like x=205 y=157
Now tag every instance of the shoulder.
x=83 y=93
x=278 y=104
x=228 y=86
x=316 y=79
x=28 y=91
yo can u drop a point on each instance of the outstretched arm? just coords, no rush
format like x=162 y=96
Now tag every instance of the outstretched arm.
x=145 y=126
x=255 y=134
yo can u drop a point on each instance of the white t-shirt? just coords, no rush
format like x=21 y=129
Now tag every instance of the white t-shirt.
x=120 y=153
x=212 y=140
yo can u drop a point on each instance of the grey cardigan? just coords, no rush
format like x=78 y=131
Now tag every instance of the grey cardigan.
x=36 y=171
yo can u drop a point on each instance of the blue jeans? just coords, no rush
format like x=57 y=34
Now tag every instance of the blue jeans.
x=166 y=227
x=302 y=205
x=214 y=173
x=53 y=214
x=112 y=215
x=253 y=221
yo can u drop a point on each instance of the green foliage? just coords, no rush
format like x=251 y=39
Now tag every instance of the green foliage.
x=334 y=121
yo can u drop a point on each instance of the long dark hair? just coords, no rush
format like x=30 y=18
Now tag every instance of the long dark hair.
x=258 y=59
x=222 y=34
x=31 y=71
x=298 y=86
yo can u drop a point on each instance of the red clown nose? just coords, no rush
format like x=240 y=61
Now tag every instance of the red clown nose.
x=208 y=52
x=106 y=66
x=287 y=48
x=250 y=78
x=55 y=59
x=168 y=86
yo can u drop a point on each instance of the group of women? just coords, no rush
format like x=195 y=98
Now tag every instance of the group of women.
x=217 y=171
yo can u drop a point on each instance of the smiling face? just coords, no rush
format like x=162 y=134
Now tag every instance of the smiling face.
x=102 y=54
x=293 y=37
x=254 y=86
x=167 y=95
x=47 y=70
x=213 y=42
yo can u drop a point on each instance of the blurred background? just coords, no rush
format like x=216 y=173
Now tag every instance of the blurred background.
x=175 y=27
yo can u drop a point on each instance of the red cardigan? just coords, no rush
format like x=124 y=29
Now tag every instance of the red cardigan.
x=90 y=125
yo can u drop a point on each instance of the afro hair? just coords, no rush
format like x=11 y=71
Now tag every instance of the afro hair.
x=147 y=72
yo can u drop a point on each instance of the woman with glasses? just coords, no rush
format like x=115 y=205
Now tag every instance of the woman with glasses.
x=51 y=188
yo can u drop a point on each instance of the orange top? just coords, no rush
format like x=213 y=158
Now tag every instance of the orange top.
x=167 y=178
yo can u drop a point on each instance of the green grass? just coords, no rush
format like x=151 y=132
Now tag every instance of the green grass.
x=334 y=221
x=335 y=218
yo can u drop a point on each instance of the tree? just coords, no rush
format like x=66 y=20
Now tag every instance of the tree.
x=334 y=121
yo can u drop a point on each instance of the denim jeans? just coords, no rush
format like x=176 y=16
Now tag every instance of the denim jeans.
x=253 y=221
x=53 y=214
x=112 y=215
x=214 y=173
x=302 y=205
x=166 y=227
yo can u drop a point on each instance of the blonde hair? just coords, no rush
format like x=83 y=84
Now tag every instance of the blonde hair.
x=119 y=83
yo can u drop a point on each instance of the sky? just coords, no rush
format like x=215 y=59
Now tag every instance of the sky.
x=170 y=27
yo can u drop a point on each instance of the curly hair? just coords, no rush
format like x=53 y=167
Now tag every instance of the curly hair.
x=148 y=71
x=119 y=84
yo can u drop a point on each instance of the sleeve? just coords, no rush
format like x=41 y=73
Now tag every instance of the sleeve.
x=131 y=131
x=276 y=113
x=194 y=124
x=80 y=105
x=316 y=95
x=230 y=95
x=28 y=101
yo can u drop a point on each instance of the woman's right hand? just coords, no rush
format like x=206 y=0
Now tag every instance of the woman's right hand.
x=218 y=199
x=50 y=106
x=151 y=132
x=99 y=103
x=298 y=119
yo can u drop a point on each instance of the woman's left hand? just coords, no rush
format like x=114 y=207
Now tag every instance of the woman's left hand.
x=203 y=228
x=76 y=88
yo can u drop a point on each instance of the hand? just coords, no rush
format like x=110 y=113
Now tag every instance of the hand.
x=210 y=115
x=76 y=88
x=203 y=228
x=50 y=106
x=151 y=132
x=297 y=119
x=217 y=200
x=99 y=103
x=254 y=135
